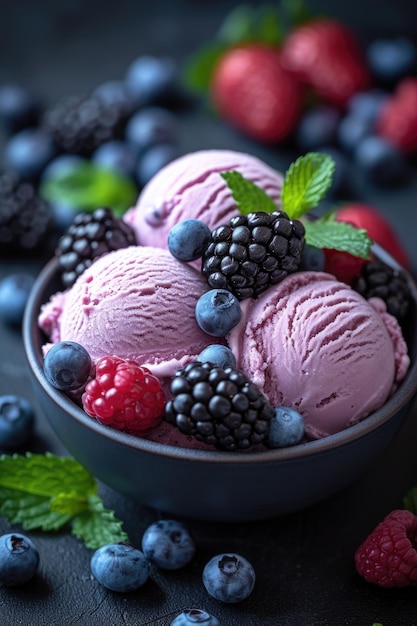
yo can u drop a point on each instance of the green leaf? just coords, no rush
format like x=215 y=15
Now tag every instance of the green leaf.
x=410 y=501
x=88 y=186
x=326 y=232
x=47 y=492
x=98 y=526
x=32 y=511
x=198 y=69
x=248 y=196
x=269 y=25
x=45 y=475
x=306 y=182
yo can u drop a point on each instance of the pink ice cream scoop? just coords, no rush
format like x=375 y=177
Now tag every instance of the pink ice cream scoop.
x=191 y=188
x=314 y=344
x=136 y=303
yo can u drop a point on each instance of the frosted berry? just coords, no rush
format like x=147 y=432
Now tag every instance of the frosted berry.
x=124 y=395
x=120 y=567
x=188 y=239
x=19 y=559
x=195 y=616
x=388 y=556
x=67 y=365
x=14 y=294
x=217 y=311
x=16 y=421
x=168 y=544
x=229 y=578
x=221 y=407
x=218 y=355
x=286 y=428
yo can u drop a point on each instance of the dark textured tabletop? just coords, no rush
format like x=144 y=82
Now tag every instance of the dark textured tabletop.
x=304 y=561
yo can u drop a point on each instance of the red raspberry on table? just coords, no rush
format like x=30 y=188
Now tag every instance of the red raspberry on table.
x=326 y=56
x=397 y=121
x=388 y=557
x=251 y=90
x=124 y=395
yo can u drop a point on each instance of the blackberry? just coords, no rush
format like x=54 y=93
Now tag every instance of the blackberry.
x=79 y=124
x=253 y=252
x=89 y=236
x=219 y=406
x=25 y=218
x=380 y=280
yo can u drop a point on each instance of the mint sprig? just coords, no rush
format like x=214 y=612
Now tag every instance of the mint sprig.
x=89 y=186
x=305 y=184
x=47 y=492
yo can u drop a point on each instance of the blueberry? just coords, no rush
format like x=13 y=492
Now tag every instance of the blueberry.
x=153 y=160
x=188 y=239
x=118 y=94
x=392 y=59
x=153 y=79
x=217 y=312
x=63 y=165
x=67 y=365
x=352 y=129
x=195 y=616
x=14 y=294
x=168 y=544
x=381 y=162
x=312 y=260
x=19 y=559
x=117 y=156
x=317 y=127
x=286 y=428
x=149 y=127
x=19 y=108
x=229 y=577
x=367 y=104
x=120 y=567
x=218 y=355
x=28 y=152
x=17 y=420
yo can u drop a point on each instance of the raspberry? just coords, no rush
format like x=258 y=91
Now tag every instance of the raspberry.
x=124 y=395
x=388 y=557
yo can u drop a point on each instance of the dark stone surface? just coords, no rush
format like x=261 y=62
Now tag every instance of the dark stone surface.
x=304 y=562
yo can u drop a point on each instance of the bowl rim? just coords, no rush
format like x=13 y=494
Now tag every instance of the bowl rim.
x=402 y=396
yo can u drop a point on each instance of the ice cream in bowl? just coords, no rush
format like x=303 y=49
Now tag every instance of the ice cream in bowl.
x=230 y=376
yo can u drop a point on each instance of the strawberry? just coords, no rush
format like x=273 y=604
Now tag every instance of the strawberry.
x=397 y=121
x=378 y=228
x=253 y=92
x=326 y=56
x=388 y=557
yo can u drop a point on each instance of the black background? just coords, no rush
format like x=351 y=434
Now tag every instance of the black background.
x=304 y=562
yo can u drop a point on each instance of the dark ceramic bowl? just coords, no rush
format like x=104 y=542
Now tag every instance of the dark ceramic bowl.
x=219 y=486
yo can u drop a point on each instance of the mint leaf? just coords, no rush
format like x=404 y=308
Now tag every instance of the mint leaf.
x=98 y=526
x=88 y=186
x=237 y=26
x=326 y=232
x=248 y=196
x=269 y=25
x=45 y=475
x=47 y=492
x=306 y=182
x=32 y=511
x=198 y=69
